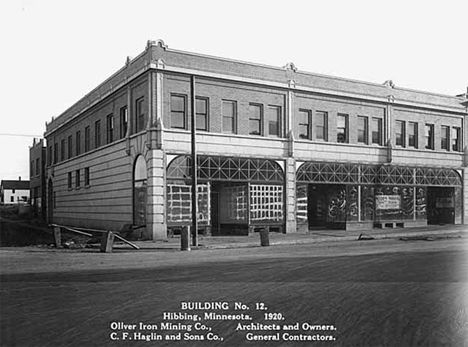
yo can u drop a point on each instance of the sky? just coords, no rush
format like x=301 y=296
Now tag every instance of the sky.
x=53 y=52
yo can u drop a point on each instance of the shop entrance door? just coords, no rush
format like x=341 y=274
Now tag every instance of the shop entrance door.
x=441 y=205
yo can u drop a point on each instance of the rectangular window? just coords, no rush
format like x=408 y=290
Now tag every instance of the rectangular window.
x=140 y=115
x=123 y=121
x=342 y=128
x=69 y=180
x=456 y=143
x=444 y=137
x=31 y=169
x=362 y=129
x=429 y=136
x=229 y=112
x=86 y=176
x=78 y=142
x=70 y=147
x=255 y=119
x=38 y=167
x=87 y=139
x=377 y=131
x=110 y=128
x=62 y=150
x=400 y=133
x=202 y=114
x=77 y=181
x=413 y=135
x=49 y=155
x=304 y=124
x=97 y=134
x=321 y=125
x=178 y=111
x=55 y=153
x=274 y=121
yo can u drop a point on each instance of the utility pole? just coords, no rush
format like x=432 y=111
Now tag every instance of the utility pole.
x=194 y=163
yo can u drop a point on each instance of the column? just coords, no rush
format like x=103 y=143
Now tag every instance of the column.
x=156 y=221
x=290 y=195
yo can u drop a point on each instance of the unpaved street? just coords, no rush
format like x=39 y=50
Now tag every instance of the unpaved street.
x=374 y=293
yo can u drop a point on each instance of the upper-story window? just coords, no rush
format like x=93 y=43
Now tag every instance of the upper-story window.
x=62 y=149
x=429 y=136
x=363 y=126
x=456 y=140
x=304 y=120
x=87 y=139
x=140 y=115
x=229 y=112
x=31 y=169
x=178 y=111
x=78 y=142
x=77 y=178
x=97 y=134
x=274 y=121
x=38 y=167
x=110 y=128
x=69 y=180
x=342 y=128
x=201 y=118
x=444 y=137
x=255 y=119
x=86 y=176
x=123 y=121
x=413 y=134
x=400 y=133
x=55 y=153
x=321 y=125
x=377 y=131
x=70 y=147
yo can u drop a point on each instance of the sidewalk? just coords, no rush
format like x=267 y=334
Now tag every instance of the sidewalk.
x=223 y=242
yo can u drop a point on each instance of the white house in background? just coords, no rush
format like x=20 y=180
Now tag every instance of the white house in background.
x=14 y=192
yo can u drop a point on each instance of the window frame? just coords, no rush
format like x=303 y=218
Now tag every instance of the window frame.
x=86 y=176
x=110 y=128
x=308 y=115
x=379 y=124
x=123 y=121
x=78 y=143
x=258 y=121
x=413 y=132
x=455 y=141
x=429 y=136
x=87 y=141
x=274 y=111
x=365 y=130
x=204 y=115
x=232 y=118
x=400 y=132
x=77 y=178
x=324 y=127
x=139 y=114
x=179 y=113
x=70 y=146
x=97 y=133
x=344 y=116
x=445 y=130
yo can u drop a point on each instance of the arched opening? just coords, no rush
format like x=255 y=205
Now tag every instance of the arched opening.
x=50 y=202
x=140 y=178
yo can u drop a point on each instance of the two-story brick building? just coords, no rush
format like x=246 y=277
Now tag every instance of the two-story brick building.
x=275 y=146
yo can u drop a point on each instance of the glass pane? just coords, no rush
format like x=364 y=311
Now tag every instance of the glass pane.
x=254 y=127
x=177 y=120
x=228 y=124
x=303 y=117
x=140 y=169
x=255 y=112
x=178 y=103
x=228 y=108
x=201 y=106
x=201 y=122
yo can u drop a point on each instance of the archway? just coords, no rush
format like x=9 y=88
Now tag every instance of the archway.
x=140 y=178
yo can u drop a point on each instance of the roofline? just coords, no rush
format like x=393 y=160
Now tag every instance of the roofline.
x=160 y=43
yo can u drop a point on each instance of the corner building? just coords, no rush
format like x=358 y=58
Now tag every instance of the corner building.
x=276 y=147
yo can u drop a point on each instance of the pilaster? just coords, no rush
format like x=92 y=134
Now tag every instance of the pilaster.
x=156 y=221
x=290 y=195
